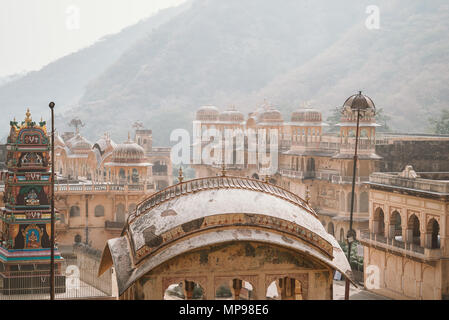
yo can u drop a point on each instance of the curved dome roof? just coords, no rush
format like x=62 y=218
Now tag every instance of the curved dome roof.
x=359 y=101
x=128 y=152
x=105 y=144
x=207 y=113
x=306 y=115
x=215 y=210
x=59 y=141
x=80 y=143
x=270 y=115
x=231 y=115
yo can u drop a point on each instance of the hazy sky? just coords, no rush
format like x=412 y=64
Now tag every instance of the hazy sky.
x=36 y=32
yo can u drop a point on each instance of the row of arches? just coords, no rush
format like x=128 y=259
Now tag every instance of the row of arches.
x=410 y=231
x=331 y=230
x=99 y=211
x=284 y=288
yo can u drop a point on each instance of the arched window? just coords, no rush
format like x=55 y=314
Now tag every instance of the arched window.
x=77 y=238
x=285 y=288
x=330 y=228
x=311 y=167
x=396 y=226
x=122 y=174
x=433 y=234
x=235 y=289
x=413 y=232
x=342 y=235
x=74 y=211
x=135 y=176
x=185 y=290
x=99 y=211
x=379 y=222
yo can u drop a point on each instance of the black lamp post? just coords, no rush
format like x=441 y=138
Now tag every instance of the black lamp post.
x=52 y=204
x=360 y=104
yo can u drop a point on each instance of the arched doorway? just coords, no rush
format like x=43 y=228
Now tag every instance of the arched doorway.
x=433 y=234
x=135 y=176
x=342 y=235
x=330 y=228
x=413 y=232
x=379 y=222
x=74 y=211
x=285 y=288
x=184 y=290
x=310 y=168
x=395 y=226
x=234 y=289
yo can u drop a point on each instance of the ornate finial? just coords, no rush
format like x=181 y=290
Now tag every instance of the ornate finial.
x=307 y=195
x=180 y=176
x=28 y=118
x=129 y=136
x=267 y=178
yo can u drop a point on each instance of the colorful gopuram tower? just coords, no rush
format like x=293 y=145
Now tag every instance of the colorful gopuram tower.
x=25 y=219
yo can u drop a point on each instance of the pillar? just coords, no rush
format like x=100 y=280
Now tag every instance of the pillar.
x=237 y=287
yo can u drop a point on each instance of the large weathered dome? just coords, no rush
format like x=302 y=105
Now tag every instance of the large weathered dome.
x=306 y=115
x=213 y=211
x=270 y=115
x=207 y=113
x=128 y=152
x=105 y=144
x=79 y=143
x=231 y=115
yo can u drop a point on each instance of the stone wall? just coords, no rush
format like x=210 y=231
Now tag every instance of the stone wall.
x=88 y=261
x=404 y=278
x=424 y=156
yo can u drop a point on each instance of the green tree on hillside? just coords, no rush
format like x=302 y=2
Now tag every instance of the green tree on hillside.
x=440 y=125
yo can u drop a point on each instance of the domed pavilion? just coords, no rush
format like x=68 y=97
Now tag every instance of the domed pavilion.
x=224 y=238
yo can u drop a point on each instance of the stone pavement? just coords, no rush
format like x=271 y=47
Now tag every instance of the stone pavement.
x=354 y=293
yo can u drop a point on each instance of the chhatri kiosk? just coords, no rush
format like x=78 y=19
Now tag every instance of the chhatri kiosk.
x=25 y=219
x=224 y=238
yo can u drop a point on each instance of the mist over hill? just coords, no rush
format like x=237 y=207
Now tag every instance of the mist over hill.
x=65 y=79
x=217 y=52
x=240 y=53
x=403 y=67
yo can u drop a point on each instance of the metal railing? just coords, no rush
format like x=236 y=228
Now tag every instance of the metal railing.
x=72 y=282
x=103 y=188
x=348 y=179
x=381 y=239
x=292 y=173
